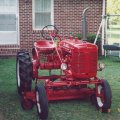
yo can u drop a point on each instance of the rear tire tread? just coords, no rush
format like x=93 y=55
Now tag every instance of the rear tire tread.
x=25 y=72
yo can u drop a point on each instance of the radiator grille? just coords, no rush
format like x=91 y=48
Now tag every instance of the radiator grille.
x=84 y=64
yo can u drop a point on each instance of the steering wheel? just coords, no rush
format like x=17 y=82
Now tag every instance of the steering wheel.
x=49 y=31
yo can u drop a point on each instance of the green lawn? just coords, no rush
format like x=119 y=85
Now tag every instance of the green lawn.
x=10 y=108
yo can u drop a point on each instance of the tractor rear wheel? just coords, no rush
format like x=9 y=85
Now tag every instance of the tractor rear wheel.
x=103 y=96
x=41 y=102
x=23 y=72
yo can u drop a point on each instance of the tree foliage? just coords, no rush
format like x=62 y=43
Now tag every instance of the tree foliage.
x=113 y=7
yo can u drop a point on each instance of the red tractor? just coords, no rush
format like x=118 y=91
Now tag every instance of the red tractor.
x=77 y=62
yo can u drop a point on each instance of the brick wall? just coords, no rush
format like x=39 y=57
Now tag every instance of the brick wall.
x=67 y=16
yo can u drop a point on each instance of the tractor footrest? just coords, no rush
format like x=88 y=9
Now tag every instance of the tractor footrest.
x=50 y=65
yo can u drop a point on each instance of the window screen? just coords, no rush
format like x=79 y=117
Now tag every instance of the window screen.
x=43 y=13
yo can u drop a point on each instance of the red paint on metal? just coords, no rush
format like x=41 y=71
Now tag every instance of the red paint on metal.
x=81 y=60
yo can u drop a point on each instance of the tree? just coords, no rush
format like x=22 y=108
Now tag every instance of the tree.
x=113 y=7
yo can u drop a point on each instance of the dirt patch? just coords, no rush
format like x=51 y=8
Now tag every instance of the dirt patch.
x=2 y=116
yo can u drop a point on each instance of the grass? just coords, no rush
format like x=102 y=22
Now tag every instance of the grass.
x=10 y=108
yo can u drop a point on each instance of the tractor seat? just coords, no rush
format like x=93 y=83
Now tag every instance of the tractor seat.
x=45 y=46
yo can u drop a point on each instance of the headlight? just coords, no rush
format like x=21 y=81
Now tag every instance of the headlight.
x=63 y=66
x=101 y=66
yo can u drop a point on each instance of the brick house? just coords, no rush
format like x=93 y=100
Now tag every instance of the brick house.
x=21 y=21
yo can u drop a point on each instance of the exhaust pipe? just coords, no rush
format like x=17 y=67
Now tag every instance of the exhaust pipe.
x=84 y=24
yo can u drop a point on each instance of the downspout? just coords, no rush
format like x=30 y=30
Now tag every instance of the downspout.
x=103 y=26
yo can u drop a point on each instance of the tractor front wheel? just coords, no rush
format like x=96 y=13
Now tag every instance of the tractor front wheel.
x=103 y=96
x=41 y=102
x=27 y=104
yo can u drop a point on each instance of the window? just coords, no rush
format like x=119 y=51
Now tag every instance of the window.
x=8 y=15
x=7 y=22
x=9 y=25
x=42 y=13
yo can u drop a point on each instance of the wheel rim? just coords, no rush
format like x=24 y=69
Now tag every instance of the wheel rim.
x=27 y=104
x=38 y=102
x=18 y=76
x=99 y=98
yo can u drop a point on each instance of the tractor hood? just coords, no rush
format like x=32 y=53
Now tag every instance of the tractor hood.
x=76 y=45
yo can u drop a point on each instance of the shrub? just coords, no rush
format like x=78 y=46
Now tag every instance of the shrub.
x=90 y=37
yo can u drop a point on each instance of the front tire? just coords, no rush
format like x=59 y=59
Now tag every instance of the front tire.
x=41 y=102
x=103 y=96
x=27 y=104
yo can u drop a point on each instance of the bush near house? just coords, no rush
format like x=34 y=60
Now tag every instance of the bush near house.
x=90 y=37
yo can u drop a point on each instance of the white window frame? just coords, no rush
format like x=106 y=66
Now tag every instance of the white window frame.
x=33 y=15
x=17 y=25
